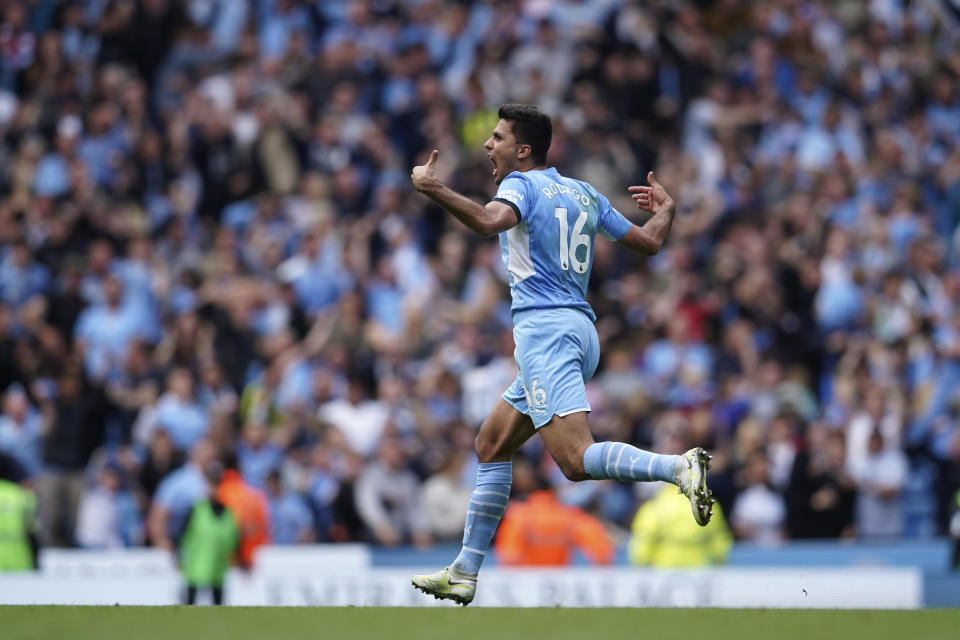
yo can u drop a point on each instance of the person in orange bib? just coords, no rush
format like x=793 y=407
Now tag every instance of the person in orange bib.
x=250 y=509
x=543 y=531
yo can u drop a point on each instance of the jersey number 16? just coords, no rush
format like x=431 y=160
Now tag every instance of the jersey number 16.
x=568 y=249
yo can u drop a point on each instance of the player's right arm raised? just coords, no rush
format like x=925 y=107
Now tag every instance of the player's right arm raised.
x=649 y=238
x=487 y=220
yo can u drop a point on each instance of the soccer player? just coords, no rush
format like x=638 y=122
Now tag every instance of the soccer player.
x=548 y=224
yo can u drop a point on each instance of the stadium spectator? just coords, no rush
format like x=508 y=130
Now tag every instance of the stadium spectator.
x=104 y=331
x=176 y=495
x=664 y=535
x=208 y=545
x=880 y=479
x=132 y=393
x=360 y=419
x=77 y=420
x=335 y=501
x=250 y=509
x=821 y=492
x=178 y=412
x=759 y=514
x=21 y=277
x=260 y=451
x=21 y=430
x=108 y=516
x=388 y=501
x=161 y=460
x=290 y=519
x=538 y=529
x=18 y=539
x=445 y=497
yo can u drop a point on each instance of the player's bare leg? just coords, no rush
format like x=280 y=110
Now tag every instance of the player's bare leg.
x=567 y=438
x=502 y=433
x=571 y=444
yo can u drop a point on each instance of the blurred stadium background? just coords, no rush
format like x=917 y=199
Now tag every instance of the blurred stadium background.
x=209 y=249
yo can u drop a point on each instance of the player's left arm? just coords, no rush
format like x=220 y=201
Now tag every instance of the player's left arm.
x=647 y=240
x=486 y=220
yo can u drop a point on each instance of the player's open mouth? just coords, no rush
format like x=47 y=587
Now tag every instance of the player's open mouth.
x=493 y=172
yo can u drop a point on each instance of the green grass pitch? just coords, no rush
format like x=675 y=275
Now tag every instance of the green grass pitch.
x=175 y=623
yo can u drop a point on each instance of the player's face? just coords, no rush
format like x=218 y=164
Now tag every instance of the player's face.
x=502 y=149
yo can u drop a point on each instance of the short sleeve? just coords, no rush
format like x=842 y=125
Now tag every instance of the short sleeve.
x=514 y=191
x=613 y=225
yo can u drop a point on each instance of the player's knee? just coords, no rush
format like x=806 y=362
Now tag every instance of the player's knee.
x=572 y=467
x=485 y=447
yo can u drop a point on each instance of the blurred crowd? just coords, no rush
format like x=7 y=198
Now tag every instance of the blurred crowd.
x=209 y=249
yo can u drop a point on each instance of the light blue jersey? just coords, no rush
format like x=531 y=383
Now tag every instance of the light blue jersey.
x=549 y=254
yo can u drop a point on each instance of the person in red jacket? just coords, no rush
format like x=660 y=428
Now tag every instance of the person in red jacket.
x=543 y=531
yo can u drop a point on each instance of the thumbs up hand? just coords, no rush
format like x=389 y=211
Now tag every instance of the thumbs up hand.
x=652 y=198
x=422 y=175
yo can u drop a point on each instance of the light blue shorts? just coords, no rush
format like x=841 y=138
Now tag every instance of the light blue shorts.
x=557 y=351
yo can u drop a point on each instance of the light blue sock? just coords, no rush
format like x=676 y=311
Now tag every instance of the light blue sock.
x=624 y=462
x=487 y=504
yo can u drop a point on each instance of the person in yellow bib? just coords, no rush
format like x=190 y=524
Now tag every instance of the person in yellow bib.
x=207 y=548
x=663 y=535
x=18 y=516
x=209 y=542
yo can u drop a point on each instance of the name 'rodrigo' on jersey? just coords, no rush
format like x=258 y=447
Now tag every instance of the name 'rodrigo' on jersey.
x=549 y=254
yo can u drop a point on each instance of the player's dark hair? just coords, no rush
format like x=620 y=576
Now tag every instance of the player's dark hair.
x=530 y=126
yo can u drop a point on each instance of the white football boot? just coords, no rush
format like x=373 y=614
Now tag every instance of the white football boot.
x=448 y=584
x=690 y=476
